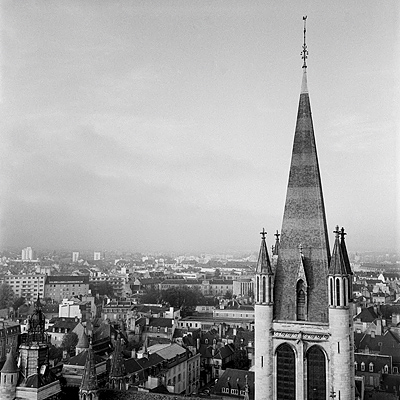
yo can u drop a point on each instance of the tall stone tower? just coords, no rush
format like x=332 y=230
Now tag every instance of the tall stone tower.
x=304 y=329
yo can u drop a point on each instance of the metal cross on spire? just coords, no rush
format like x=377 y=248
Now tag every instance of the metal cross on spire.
x=304 y=53
x=263 y=233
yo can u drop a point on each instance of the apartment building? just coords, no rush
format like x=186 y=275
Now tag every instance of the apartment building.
x=27 y=286
x=64 y=287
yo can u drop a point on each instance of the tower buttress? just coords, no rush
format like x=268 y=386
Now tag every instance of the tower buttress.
x=341 y=321
x=263 y=327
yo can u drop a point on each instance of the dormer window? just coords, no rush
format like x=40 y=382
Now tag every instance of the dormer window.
x=371 y=367
x=362 y=366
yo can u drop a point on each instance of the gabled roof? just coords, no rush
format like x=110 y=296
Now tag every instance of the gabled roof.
x=367 y=315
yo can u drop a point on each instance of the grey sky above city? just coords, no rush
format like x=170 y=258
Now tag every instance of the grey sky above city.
x=168 y=125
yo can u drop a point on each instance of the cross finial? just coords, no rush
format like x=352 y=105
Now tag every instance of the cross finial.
x=277 y=234
x=336 y=231
x=263 y=233
x=300 y=248
x=304 y=53
x=342 y=233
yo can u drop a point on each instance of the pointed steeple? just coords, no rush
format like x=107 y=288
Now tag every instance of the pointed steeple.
x=263 y=263
x=304 y=221
x=344 y=251
x=10 y=366
x=338 y=263
x=276 y=246
x=89 y=378
x=117 y=364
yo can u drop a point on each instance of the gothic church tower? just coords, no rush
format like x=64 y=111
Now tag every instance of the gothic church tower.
x=304 y=328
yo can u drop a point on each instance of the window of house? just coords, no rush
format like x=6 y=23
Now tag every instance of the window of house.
x=355 y=365
x=371 y=367
x=362 y=366
x=386 y=369
x=234 y=391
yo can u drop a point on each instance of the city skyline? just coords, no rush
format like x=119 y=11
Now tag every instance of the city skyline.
x=168 y=126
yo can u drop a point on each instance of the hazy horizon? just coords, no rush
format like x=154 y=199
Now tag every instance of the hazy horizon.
x=168 y=125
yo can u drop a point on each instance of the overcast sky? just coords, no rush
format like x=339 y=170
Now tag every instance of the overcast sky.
x=168 y=125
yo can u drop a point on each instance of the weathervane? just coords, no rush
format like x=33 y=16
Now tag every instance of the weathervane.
x=304 y=53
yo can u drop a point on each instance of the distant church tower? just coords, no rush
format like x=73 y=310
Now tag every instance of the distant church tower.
x=304 y=333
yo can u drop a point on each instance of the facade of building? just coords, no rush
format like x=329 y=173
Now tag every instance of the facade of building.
x=64 y=287
x=27 y=286
x=304 y=327
x=28 y=254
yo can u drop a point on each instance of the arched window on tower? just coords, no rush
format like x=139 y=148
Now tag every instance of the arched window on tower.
x=258 y=289
x=264 y=292
x=345 y=291
x=337 y=291
x=316 y=374
x=269 y=289
x=286 y=372
x=301 y=301
x=331 y=291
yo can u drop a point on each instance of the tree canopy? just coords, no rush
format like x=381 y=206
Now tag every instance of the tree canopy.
x=70 y=340
x=185 y=298
x=6 y=296
x=102 y=288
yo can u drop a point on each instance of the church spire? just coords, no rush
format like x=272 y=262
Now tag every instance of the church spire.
x=263 y=263
x=304 y=220
x=89 y=379
x=117 y=370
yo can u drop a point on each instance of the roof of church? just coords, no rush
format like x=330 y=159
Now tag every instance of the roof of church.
x=337 y=265
x=304 y=224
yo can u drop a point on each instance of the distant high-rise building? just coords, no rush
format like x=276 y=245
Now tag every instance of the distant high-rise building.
x=303 y=313
x=75 y=256
x=96 y=255
x=27 y=254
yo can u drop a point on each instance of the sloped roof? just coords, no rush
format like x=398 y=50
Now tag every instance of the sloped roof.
x=367 y=315
x=161 y=322
x=171 y=351
x=236 y=379
x=10 y=365
x=80 y=359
